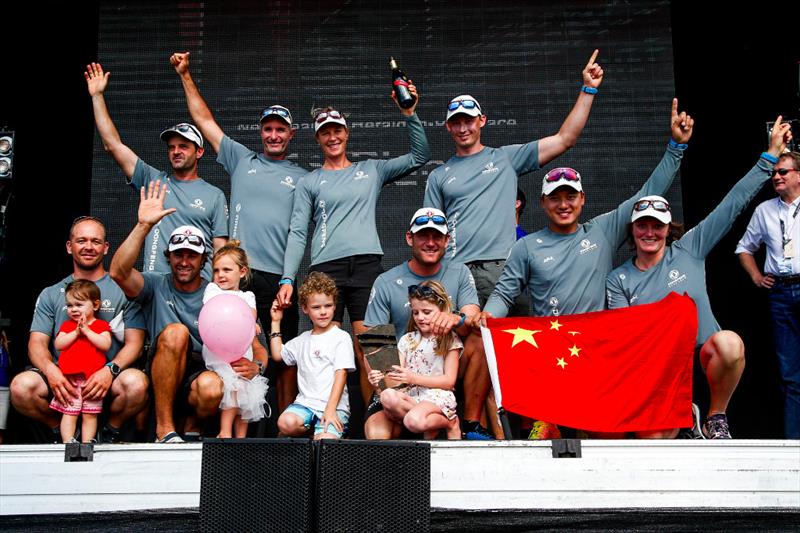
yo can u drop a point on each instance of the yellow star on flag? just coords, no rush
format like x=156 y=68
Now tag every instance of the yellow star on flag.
x=555 y=325
x=573 y=333
x=561 y=363
x=521 y=335
x=574 y=351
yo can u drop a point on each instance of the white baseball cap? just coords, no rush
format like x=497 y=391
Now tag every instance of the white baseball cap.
x=277 y=111
x=652 y=206
x=185 y=130
x=561 y=177
x=328 y=117
x=428 y=217
x=187 y=238
x=463 y=104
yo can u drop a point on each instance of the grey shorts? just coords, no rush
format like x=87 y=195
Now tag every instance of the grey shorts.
x=486 y=274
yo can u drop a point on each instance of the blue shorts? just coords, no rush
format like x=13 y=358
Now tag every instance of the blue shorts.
x=309 y=416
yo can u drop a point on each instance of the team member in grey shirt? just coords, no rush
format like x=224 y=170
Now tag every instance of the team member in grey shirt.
x=262 y=193
x=564 y=266
x=667 y=262
x=388 y=304
x=31 y=390
x=477 y=186
x=341 y=199
x=197 y=203
x=172 y=304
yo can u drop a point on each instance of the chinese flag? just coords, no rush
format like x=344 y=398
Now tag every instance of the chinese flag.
x=612 y=371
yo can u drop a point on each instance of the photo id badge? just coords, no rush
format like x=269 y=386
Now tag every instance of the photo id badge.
x=788 y=249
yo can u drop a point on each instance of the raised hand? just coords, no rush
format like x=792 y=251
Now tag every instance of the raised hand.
x=276 y=311
x=180 y=60
x=681 y=125
x=151 y=203
x=779 y=137
x=413 y=90
x=96 y=79
x=593 y=73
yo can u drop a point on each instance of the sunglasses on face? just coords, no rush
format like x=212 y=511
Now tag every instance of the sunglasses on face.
x=328 y=114
x=466 y=104
x=658 y=205
x=562 y=173
x=424 y=219
x=781 y=171
x=275 y=111
x=194 y=240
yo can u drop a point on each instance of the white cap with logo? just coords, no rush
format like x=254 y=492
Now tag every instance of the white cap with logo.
x=428 y=217
x=463 y=103
x=187 y=238
x=652 y=206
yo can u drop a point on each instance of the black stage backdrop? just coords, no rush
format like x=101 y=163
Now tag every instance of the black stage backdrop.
x=522 y=62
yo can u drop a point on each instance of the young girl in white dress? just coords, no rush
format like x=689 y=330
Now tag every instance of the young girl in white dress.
x=428 y=364
x=243 y=399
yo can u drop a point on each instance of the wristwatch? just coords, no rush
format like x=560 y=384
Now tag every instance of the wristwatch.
x=114 y=368
x=260 y=367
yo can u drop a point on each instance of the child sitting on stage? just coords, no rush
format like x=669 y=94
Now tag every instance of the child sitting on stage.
x=82 y=342
x=428 y=364
x=323 y=357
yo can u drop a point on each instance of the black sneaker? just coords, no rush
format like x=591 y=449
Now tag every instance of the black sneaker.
x=716 y=427
x=695 y=432
x=108 y=435
x=473 y=430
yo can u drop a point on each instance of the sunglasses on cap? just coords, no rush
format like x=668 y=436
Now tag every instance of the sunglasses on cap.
x=424 y=219
x=781 y=171
x=562 y=173
x=328 y=114
x=274 y=110
x=466 y=104
x=422 y=291
x=184 y=128
x=194 y=240
x=658 y=205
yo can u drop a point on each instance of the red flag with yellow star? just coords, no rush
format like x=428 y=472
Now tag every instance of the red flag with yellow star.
x=611 y=371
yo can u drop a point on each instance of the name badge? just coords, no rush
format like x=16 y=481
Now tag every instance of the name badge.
x=788 y=249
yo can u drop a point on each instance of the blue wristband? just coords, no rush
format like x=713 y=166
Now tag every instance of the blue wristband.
x=589 y=90
x=769 y=157
x=285 y=281
x=463 y=319
x=679 y=146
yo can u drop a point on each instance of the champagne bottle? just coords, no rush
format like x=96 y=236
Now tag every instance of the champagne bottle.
x=400 y=85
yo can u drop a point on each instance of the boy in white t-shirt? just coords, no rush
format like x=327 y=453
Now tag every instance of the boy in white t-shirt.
x=323 y=357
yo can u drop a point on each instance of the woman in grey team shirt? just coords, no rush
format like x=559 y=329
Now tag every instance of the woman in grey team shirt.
x=341 y=198
x=665 y=262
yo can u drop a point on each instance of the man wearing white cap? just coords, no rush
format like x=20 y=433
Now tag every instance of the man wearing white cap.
x=388 y=304
x=197 y=203
x=171 y=303
x=262 y=194
x=476 y=186
x=564 y=265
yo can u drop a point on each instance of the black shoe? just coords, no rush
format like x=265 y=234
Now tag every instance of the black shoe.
x=108 y=435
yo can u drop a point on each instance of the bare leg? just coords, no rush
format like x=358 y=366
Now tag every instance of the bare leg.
x=226 y=419
x=476 y=377
x=30 y=397
x=425 y=416
x=380 y=427
x=366 y=388
x=240 y=427
x=167 y=369
x=205 y=393
x=291 y=425
x=454 y=430
x=129 y=396
x=88 y=427
x=396 y=404
x=69 y=424
x=722 y=357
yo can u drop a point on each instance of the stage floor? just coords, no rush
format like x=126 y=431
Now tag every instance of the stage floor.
x=625 y=477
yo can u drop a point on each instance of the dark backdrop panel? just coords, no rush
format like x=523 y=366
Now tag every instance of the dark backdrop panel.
x=522 y=62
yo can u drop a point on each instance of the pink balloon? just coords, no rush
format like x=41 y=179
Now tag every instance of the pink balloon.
x=227 y=326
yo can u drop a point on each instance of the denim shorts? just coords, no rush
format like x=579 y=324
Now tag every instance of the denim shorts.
x=311 y=416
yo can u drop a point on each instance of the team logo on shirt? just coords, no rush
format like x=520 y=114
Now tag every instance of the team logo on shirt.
x=360 y=175
x=622 y=276
x=197 y=204
x=399 y=281
x=170 y=303
x=548 y=259
x=288 y=181
x=105 y=305
x=676 y=277
x=450 y=180
x=316 y=353
x=489 y=168
x=587 y=246
x=238 y=207
x=539 y=241
x=252 y=171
